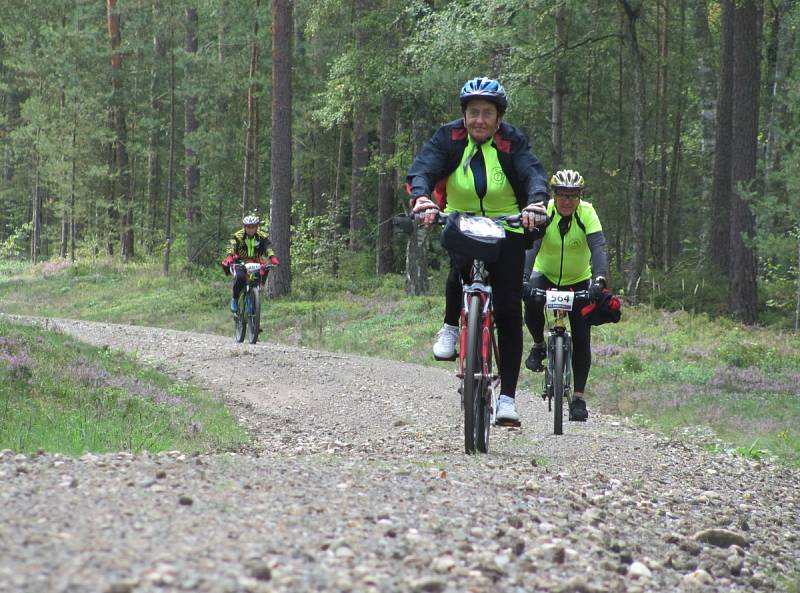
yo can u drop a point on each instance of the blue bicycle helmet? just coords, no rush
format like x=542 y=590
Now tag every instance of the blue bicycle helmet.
x=484 y=88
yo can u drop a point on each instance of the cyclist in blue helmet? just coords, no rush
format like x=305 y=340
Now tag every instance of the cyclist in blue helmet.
x=478 y=163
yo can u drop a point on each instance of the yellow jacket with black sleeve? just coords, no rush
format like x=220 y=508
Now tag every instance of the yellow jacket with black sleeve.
x=255 y=248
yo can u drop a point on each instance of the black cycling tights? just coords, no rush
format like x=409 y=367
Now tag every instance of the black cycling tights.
x=505 y=277
x=581 y=331
x=240 y=281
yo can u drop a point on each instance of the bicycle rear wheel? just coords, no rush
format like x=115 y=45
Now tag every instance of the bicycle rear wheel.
x=472 y=387
x=253 y=315
x=558 y=384
x=240 y=321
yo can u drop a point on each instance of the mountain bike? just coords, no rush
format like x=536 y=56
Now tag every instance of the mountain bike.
x=557 y=382
x=478 y=343
x=247 y=319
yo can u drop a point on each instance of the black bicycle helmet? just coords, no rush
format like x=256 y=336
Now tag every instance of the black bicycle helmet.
x=484 y=88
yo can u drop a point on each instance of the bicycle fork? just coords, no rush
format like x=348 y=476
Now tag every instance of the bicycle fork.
x=548 y=392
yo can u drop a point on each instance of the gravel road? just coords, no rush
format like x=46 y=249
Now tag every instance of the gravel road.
x=356 y=481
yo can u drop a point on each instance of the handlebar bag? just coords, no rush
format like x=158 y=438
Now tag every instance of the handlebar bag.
x=473 y=237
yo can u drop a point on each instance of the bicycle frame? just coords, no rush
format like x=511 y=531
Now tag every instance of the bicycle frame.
x=479 y=285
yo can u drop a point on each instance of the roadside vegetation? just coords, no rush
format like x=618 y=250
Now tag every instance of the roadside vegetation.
x=675 y=371
x=59 y=395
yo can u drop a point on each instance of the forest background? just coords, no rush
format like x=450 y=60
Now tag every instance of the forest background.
x=144 y=129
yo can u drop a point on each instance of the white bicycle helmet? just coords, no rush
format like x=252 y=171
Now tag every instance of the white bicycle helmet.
x=567 y=179
x=250 y=219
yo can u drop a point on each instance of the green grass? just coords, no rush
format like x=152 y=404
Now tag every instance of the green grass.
x=673 y=369
x=59 y=395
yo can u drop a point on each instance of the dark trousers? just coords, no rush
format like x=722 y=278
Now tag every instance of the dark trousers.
x=505 y=278
x=581 y=331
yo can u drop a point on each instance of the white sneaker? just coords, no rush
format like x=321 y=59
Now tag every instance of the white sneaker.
x=506 y=410
x=445 y=346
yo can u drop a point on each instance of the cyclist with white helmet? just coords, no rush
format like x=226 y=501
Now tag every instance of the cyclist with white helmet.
x=480 y=164
x=569 y=254
x=248 y=244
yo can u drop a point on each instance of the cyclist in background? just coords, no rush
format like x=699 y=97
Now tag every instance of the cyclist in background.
x=248 y=244
x=570 y=253
x=480 y=164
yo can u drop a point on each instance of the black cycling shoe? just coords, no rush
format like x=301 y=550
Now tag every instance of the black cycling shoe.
x=535 y=358
x=577 y=410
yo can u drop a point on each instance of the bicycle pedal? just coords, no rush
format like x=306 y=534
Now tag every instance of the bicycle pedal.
x=448 y=359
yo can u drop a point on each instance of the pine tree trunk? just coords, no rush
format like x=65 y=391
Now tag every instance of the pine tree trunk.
x=360 y=158
x=385 y=186
x=281 y=163
x=670 y=242
x=746 y=87
x=221 y=32
x=559 y=87
x=171 y=161
x=661 y=210
x=249 y=199
x=72 y=225
x=192 y=172
x=153 y=153
x=708 y=92
x=719 y=232
x=36 y=208
x=121 y=171
x=417 y=244
x=785 y=52
x=636 y=205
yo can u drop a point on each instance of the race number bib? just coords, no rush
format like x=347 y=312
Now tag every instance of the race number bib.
x=560 y=299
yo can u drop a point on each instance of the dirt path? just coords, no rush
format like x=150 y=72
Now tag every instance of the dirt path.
x=357 y=482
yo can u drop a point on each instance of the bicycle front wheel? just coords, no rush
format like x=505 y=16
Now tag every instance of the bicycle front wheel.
x=240 y=321
x=473 y=401
x=558 y=384
x=253 y=315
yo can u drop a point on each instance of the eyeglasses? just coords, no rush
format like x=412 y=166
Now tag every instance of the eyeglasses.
x=568 y=196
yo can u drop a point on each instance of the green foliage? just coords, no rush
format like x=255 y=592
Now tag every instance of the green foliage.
x=17 y=242
x=736 y=351
x=63 y=396
x=752 y=452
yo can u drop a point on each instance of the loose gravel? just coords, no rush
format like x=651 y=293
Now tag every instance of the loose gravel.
x=356 y=480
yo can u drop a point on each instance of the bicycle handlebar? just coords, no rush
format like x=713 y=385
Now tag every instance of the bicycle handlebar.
x=238 y=265
x=579 y=294
x=512 y=220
